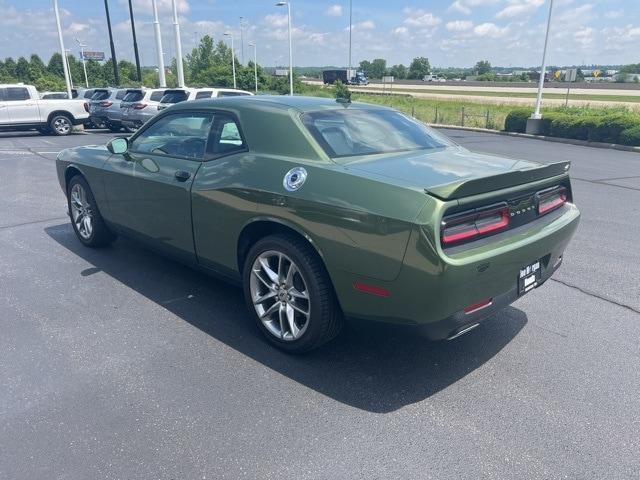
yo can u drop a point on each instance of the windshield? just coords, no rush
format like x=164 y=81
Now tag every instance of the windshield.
x=175 y=96
x=345 y=133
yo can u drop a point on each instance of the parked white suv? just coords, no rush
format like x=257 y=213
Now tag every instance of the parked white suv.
x=22 y=109
x=177 y=95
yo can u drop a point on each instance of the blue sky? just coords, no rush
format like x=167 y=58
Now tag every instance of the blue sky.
x=448 y=32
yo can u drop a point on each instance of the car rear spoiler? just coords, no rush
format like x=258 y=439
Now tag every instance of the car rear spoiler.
x=475 y=186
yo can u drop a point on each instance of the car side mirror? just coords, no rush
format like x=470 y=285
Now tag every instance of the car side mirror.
x=118 y=146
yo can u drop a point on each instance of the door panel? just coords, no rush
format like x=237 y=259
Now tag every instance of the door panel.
x=149 y=188
x=22 y=108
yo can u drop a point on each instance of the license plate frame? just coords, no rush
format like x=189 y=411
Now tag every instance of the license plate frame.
x=529 y=277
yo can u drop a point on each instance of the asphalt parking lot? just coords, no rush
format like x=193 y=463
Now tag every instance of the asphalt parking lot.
x=120 y=364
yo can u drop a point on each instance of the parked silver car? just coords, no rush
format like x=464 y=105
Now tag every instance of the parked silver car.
x=139 y=105
x=104 y=108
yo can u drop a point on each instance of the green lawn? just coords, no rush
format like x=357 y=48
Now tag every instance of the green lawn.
x=559 y=96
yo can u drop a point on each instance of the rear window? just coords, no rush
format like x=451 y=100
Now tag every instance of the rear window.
x=121 y=93
x=232 y=94
x=350 y=132
x=16 y=94
x=54 y=96
x=133 y=96
x=175 y=96
x=203 y=95
x=100 y=95
x=157 y=96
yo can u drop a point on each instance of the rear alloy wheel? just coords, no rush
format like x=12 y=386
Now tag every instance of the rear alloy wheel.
x=287 y=288
x=60 y=125
x=85 y=216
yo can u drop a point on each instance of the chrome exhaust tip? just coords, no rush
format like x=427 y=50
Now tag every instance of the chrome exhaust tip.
x=463 y=331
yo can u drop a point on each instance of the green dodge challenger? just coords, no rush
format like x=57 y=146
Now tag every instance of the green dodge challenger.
x=326 y=210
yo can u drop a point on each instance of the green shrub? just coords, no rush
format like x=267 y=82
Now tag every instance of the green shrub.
x=516 y=121
x=608 y=129
x=342 y=91
x=580 y=123
x=631 y=136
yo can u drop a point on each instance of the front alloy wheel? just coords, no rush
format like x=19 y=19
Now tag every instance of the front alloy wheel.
x=81 y=211
x=85 y=215
x=280 y=295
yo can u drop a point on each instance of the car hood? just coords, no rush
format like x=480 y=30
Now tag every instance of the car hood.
x=453 y=172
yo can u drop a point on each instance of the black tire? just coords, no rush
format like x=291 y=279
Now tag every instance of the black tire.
x=325 y=317
x=114 y=128
x=61 y=125
x=100 y=235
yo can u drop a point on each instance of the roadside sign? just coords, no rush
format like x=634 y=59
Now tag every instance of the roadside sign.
x=387 y=79
x=570 y=75
x=98 y=56
x=557 y=74
x=597 y=73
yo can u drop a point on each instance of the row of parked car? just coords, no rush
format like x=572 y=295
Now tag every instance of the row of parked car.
x=130 y=108
x=23 y=108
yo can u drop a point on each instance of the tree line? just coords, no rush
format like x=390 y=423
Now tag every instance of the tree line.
x=208 y=64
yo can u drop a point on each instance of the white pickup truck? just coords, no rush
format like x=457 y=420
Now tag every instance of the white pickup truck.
x=22 y=109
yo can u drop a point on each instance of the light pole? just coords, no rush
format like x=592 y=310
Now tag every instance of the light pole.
x=64 y=64
x=536 y=115
x=288 y=4
x=241 y=43
x=176 y=32
x=255 y=64
x=67 y=51
x=350 y=28
x=84 y=64
x=135 y=43
x=233 y=58
x=114 y=61
x=156 y=30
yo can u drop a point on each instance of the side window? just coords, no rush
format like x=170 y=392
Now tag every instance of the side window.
x=225 y=136
x=15 y=94
x=203 y=95
x=182 y=135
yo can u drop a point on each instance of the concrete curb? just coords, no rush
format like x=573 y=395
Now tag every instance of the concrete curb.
x=570 y=141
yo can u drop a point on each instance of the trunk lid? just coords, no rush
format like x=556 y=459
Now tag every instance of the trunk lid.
x=454 y=172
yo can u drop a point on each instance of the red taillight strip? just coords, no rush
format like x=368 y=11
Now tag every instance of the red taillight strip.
x=371 y=289
x=473 y=229
x=561 y=199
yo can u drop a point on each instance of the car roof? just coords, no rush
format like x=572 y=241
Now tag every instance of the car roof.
x=276 y=102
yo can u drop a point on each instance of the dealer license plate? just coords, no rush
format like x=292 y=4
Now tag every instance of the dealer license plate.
x=529 y=278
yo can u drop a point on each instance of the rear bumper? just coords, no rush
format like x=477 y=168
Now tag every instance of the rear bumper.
x=434 y=287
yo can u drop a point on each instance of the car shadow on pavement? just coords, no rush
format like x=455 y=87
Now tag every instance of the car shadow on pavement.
x=373 y=367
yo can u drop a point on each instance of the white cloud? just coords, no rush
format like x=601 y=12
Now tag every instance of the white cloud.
x=420 y=18
x=276 y=20
x=614 y=14
x=366 y=25
x=460 y=7
x=517 y=8
x=459 y=25
x=334 y=11
x=490 y=30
